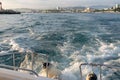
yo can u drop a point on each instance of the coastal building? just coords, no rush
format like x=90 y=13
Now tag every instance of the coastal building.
x=116 y=6
x=58 y=8
x=88 y=10
x=0 y=5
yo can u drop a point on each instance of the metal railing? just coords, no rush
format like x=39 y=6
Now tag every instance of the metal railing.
x=94 y=64
x=17 y=68
x=13 y=58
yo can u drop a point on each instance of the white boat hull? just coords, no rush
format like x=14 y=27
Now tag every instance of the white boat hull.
x=6 y=74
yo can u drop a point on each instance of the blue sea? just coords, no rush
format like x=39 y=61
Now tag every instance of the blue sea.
x=68 y=39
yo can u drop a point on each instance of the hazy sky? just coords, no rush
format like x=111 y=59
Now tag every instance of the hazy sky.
x=55 y=3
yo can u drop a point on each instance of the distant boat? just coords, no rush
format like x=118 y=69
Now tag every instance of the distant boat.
x=9 y=12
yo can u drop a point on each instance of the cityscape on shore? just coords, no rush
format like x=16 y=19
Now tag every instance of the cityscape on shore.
x=113 y=9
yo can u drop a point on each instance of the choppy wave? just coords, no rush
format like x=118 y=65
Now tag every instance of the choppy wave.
x=67 y=39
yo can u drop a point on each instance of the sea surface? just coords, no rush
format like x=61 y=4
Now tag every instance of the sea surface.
x=68 y=39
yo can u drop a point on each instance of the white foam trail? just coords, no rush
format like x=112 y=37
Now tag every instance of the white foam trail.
x=107 y=47
x=67 y=49
x=15 y=46
x=77 y=57
x=69 y=73
x=31 y=31
x=105 y=51
x=68 y=76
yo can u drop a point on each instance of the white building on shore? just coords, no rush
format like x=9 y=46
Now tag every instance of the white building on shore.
x=88 y=10
x=117 y=6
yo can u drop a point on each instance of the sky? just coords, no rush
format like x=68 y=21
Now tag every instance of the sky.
x=42 y=4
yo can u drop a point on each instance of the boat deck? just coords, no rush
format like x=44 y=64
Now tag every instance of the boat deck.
x=6 y=74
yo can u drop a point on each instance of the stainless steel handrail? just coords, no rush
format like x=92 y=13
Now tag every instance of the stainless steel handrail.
x=94 y=64
x=31 y=54
x=13 y=58
x=15 y=68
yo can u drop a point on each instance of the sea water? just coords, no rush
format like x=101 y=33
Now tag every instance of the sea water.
x=68 y=39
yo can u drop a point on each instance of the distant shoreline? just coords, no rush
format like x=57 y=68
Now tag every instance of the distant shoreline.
x=9 y=12
x=69 y=12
